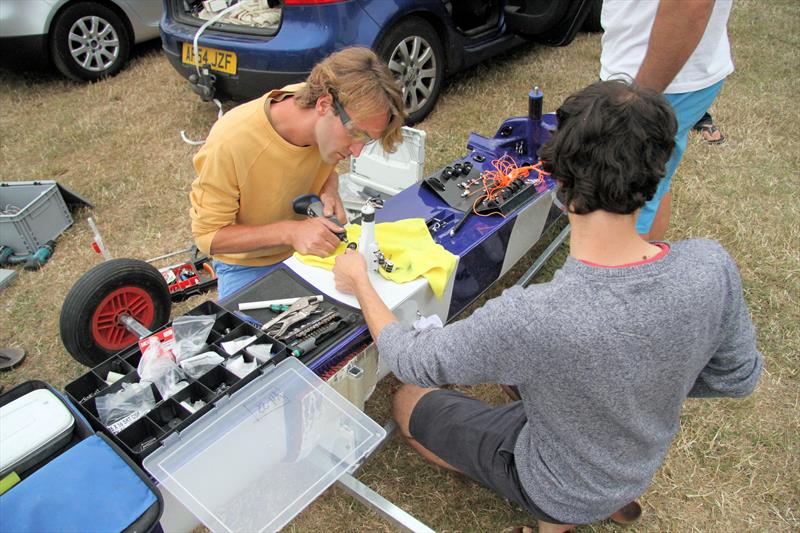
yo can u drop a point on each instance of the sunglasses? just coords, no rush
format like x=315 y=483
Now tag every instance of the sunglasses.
x=357 y=135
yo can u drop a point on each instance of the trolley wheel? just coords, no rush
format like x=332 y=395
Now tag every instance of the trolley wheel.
x=89 y=325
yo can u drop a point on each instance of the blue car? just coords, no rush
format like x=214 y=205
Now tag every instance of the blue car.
x=241 y=49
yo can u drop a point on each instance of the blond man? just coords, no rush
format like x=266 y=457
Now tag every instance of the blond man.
x=264 y=153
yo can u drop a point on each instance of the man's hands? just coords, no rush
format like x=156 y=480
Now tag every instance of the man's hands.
x=331 y=201
x=350 y=271
x=315 y=236
x=312 y=236
x=350 y=275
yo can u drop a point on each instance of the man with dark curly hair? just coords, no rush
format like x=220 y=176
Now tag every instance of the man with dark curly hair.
x=603 y=356
x=264 y=153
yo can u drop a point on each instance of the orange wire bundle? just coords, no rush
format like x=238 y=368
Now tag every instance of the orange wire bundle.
x=505 y=172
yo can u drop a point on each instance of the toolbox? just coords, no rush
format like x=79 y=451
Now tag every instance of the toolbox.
x=263 y=445
x=66 y=477
x=169 y=415
x=347 y=335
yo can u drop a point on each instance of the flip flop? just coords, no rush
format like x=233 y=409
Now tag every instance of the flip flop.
x=708 y=131
x=9 y=357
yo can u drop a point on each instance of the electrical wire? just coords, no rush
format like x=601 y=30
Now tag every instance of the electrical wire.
x=196 y=55
x=505 y=172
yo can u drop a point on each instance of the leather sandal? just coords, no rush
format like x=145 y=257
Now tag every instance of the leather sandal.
x=708 y=131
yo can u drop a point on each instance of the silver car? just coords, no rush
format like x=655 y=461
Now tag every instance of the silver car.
x=84 y=39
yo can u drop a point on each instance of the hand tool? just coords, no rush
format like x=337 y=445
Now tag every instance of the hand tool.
x=298 y=311
x=311 y=205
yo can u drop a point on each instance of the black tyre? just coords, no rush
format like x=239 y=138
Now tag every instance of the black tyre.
x=415 y=55
x=89 y=324
x=89 y=41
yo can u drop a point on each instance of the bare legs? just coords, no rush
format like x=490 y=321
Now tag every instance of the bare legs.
x=403 y=405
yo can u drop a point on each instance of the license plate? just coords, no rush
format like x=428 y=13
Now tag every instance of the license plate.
x=220 y=60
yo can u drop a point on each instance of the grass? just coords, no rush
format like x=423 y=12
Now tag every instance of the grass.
x=733 y=466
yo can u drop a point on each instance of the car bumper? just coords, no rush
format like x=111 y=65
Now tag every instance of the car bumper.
x=246 y=84
x=266 y=63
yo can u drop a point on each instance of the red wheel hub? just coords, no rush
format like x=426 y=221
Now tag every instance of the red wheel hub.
x=107 y=330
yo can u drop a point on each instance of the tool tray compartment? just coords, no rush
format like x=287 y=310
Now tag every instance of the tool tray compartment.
x=189 y=278
x=144 y=435
x=334 y=339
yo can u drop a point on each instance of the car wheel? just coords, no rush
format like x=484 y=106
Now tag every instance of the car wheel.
x=414 y=53
x=89 y=41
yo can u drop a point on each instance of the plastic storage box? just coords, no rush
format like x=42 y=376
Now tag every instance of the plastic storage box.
x=259 y=458
x=168 y=416
x=261 y=449
x=38 y=214
x=32 y=428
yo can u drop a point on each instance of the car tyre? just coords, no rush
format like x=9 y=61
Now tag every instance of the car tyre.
x=415 y=55
x=88 y=322
x=89 y=42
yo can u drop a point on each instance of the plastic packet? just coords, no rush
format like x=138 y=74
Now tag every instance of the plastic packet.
x=120 y=409
x=233 y=346
x=156 y=359
x=158 y=367
x=199 y=364
x=261 y=352
x=237 y=366
x=170 y=382
x=191 y=332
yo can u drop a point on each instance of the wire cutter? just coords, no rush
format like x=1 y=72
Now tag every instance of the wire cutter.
x=297 y=312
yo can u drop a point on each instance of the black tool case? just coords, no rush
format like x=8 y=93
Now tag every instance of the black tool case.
x=84 y=483
x=168 y=416
x=260 y=450
x=350 y=336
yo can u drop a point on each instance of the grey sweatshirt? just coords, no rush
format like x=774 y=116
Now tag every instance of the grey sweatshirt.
x=603 y=358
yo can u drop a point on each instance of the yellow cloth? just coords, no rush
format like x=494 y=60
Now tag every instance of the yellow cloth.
x=406 y=243
x=248 y=174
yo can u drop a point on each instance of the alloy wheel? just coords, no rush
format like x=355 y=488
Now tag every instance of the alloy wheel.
x=93 y=43
x=413 y=64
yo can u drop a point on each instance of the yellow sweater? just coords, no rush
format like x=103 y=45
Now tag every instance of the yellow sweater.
x=248 y=174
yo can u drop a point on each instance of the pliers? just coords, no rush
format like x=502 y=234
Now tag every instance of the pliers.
x=297 y=312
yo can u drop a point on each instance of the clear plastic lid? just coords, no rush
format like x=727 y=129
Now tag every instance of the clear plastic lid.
x=260 y=457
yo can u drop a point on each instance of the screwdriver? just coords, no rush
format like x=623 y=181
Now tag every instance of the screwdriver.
x=458 y=225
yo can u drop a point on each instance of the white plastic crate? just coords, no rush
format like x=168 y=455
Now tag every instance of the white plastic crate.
x=381 y=172
x=37 y=214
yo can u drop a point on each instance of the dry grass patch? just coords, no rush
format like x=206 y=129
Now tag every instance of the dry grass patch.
x=733 y=466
